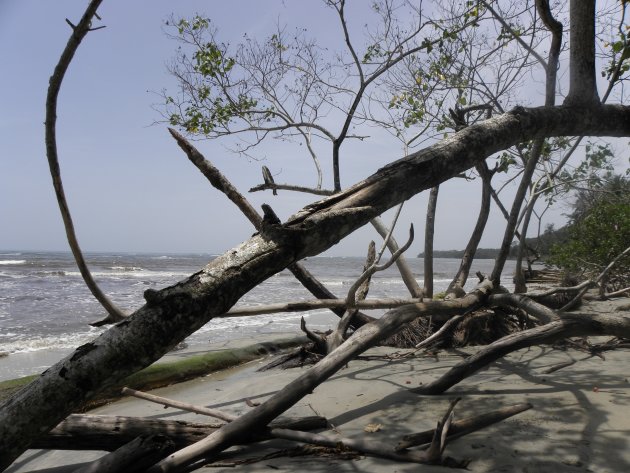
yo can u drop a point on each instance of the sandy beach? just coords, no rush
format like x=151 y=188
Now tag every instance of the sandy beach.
x=580 y=420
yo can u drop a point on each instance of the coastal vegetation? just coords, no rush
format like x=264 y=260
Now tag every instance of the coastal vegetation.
x=599 y=232
x=446 y=82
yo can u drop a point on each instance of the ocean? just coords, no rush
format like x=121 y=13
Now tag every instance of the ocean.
x=45 y=305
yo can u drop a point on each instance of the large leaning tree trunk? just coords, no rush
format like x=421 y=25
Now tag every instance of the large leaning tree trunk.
x=173 y=313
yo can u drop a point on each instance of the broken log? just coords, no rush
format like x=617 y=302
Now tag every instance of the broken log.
x=464 y=426
x=108 y=433
x=569 y=325
x=135 y=456
x=206 y=411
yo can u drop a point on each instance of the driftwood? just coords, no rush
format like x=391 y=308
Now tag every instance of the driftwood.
x=173 y=313
x=464 y=426
x=133 y=457
x=304 y=423
x=301 y=306
x=308 y=354
x=326 y=343
x=569 y=325
x=180 y=405
x=573 y=302
x=403 y=267
x=356 y=293
x=97 y=432
x=221 y=183
x=519 y=301
x=433 y=454
x=364 y=338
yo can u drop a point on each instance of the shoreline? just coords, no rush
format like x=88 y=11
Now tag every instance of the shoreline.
x=27 y=363
x=575 y=423
x=180 y=365
x=572 y=426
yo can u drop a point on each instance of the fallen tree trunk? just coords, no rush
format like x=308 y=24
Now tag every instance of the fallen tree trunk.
x=133 y=457
x=464 y=426
x=99 y=432
x=569 y=325
x=174 y=313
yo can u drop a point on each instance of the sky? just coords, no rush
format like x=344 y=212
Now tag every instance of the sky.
x=129 y=187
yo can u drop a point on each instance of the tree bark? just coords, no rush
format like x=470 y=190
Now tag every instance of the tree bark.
x=429 y=232
x=520 y=285
x=583 y=82
x=401 y=263
x=174 y=313
x=464 y=426
x=510 y=228
x=97 y=432
x=133 y=457
x=461 y=277
x=555 y=27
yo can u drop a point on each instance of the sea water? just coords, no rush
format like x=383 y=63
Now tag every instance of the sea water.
x=46 y=306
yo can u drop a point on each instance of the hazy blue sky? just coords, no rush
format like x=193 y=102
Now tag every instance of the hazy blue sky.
x=129 y=187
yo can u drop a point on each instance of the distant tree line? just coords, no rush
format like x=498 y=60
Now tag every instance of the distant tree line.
x=541 y=244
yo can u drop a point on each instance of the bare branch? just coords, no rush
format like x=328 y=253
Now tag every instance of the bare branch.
x=464 y=426
x=217 y=179
x=519 y=301
x=515 y=35
x=220 y=182
x=444 y=329
x=569 y=305
x=569 y=325
x=351 y=298
x=78 y=33
x=206 y=411
x=364 y=338
x=290 y=187
x=302 y=306
x=403 y=267
x=337 y=337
